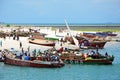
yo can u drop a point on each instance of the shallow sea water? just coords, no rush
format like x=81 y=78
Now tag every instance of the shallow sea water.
x=69 y=71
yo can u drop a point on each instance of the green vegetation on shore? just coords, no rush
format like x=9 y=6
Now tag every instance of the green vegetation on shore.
x=101 y=30
x=8 y=25
x=91 y=28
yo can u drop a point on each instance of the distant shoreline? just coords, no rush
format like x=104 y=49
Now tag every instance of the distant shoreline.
x=96 y=28
x=62 y=24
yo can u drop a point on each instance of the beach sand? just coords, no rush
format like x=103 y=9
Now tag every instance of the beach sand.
x=9 y=43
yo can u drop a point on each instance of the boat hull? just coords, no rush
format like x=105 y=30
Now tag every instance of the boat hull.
x=99 y=62
x=46 y=43
x=18 y=62
x=89 y=60
x=89 y=44
x=99 y=45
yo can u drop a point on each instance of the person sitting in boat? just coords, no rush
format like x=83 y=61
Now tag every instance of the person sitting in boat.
x=83 y=56
x=43 y=57
x=47 y=57
x=97 y=55
x=106 y=54
x=94 y=55
x=21 y=55
x=39 y=53
x=57 y=57
x=26 y=57
x=53 y=57
x=88 y=55
x=92 y=52
x=34 y=53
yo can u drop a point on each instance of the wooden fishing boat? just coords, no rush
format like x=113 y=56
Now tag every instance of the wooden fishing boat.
x=89 y=35
x=98 y=61
x=91 y=61
x=106 y=34
x=91 y=44
x=98 y=44
x=34 y=63
x=72 y=58
x=42 y=42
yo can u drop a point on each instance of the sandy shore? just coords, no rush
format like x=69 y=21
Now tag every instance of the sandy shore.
x=9 y=43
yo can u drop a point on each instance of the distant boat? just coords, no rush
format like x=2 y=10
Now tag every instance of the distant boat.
x=94 y=34
x=106 y=34
x=42 y=42
x=34 y=63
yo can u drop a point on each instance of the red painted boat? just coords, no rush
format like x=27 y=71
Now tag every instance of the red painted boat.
x=34 y=63
x=90 y=44
x=98 y=44
x=42 y=42
x=89 y=36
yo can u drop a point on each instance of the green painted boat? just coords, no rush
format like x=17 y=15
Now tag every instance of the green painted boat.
x=53 y=39
x=90 y=61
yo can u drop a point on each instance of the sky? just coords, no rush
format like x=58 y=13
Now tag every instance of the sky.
x=55 y=11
